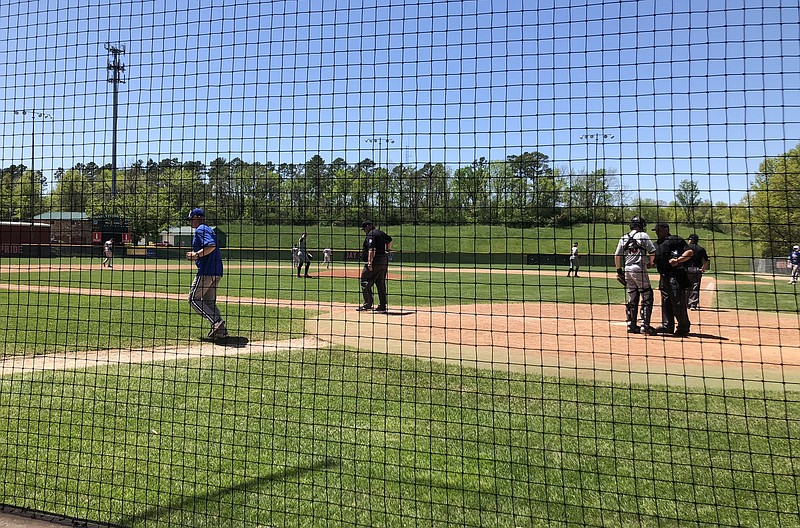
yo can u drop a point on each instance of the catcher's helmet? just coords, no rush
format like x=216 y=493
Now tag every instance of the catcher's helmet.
x=637 y=222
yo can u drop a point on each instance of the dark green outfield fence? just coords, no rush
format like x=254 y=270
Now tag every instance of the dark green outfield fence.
x=720 y=263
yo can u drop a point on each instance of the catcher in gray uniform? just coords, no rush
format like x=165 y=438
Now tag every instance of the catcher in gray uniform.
x=639 y=253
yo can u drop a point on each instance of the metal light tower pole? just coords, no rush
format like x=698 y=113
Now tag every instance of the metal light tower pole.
x=596 y=137
x=117 y=69
x=380 y=141
x=33 y=115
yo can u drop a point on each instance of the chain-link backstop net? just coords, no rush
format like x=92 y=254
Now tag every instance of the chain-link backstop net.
x=400 y=263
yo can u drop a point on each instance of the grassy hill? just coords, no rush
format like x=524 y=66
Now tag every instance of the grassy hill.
x=727 y=252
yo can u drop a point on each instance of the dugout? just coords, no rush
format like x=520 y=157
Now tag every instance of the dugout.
x=24 y=239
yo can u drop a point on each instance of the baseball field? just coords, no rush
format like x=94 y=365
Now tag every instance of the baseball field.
x=485 y=397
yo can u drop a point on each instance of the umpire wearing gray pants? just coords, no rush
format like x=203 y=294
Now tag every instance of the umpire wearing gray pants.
x=695 y=269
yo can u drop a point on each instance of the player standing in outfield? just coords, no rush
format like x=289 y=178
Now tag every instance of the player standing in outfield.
x=327 y=257
x=638 y=253
x=695 y=269
x=573 y=260
x=672 y=252
x=794 y=264
x=377 y=244
x=108 y=252
x=208 y=259
x=303 y=256
x=295 y=260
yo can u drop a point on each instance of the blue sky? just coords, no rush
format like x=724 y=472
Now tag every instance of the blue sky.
x=689 y=89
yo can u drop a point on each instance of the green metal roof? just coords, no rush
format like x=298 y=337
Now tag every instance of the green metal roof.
x=61 y=215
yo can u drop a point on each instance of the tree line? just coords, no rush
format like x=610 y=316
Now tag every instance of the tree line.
x=522 y=190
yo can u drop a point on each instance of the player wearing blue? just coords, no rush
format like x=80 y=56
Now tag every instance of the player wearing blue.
x=208 y=259
x=794 y=264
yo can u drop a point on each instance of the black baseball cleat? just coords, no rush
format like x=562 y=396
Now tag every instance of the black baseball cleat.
x=648 y=330
x=633 y=330
x=662 y=330
x=381 y=309
x=364 y=308
x=681 y=332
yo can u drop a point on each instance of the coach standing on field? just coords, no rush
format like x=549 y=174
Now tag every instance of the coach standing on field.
x=208 y=258
x=672 y=252
x=375 y=255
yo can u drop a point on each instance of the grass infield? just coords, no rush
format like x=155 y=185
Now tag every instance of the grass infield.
x=343 y=438
x=43 y=322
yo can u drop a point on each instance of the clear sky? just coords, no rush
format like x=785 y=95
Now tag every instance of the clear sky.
x=701 y=89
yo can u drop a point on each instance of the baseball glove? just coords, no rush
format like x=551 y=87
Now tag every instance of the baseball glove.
x=621 y=277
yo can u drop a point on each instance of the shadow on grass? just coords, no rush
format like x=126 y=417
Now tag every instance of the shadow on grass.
x=231 y=341
x=189 y=504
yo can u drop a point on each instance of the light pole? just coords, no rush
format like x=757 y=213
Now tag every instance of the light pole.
x=596 y=137
x=380 y=142
x=33 y=114
x=117 y=69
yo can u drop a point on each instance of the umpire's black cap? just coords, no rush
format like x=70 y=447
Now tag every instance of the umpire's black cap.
x=660 y=225
x=694 y=237
x=366 y=223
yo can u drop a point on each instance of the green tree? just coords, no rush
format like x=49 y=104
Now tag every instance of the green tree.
x=22 y=193
x=71 y=193
x=688 y=199
x=773 y=204
x=470 y=189
x=541 y=190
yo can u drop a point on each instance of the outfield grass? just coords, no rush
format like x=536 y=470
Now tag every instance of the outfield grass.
x=426 y=287
x=728 y=252
x=332 y=438
x=423 y=287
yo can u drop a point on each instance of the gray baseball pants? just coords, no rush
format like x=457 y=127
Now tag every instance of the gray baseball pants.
x=203 y=297
x=695 y=277
x=639 y=288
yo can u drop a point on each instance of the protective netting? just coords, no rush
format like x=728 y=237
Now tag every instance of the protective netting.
x=339 y=263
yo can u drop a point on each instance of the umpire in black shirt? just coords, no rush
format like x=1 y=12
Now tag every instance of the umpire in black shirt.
x=695 y=269
x=376 y=258
x=671 y=253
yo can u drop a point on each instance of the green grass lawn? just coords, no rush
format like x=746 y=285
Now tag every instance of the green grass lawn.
x=760 y=294
x=414 y=288
x=423 y=287
x=41 y=322
x=332 y=438
x=474 y=238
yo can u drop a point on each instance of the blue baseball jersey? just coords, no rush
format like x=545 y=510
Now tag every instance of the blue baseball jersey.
x=794 y=257
x=210 y=264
